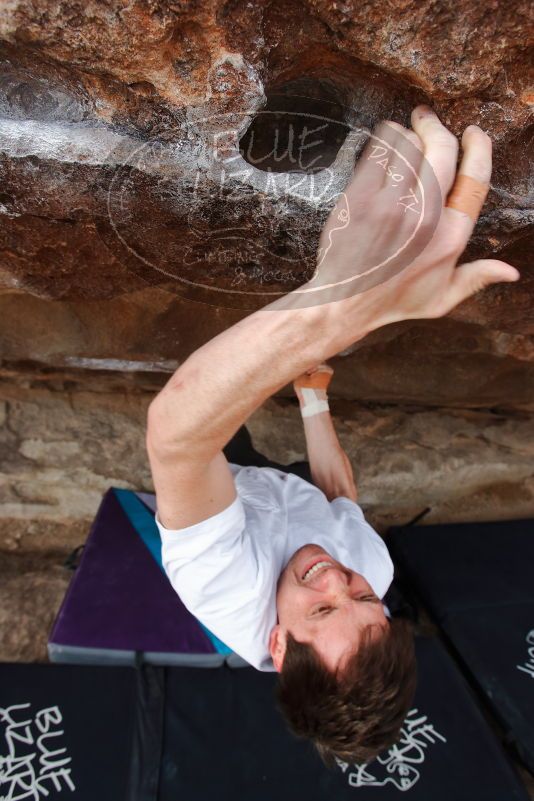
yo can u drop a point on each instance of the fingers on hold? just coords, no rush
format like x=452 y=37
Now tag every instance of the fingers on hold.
x=414 y=139
x=367 y=176
x=422 y=109
x=389 y=130
x=408 y=134
x=430 y=126
x=406 y=145
x=475 y=130
x=476 y=160
x=440 y=142
x=323 y=367
x=471 y=184
x=438 y=164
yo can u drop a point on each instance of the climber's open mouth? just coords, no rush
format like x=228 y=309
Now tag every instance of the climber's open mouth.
x=317 y=566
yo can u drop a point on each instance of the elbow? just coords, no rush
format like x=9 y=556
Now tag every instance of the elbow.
x=163 y=435
x=154 y=428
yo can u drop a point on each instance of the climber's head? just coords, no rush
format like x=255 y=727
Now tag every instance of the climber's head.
x=347 y=673
x=329 y=609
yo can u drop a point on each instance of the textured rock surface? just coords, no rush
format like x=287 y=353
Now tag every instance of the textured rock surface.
x=109 y=118
x=62 y=445
x=31 y=590
x=440 y=363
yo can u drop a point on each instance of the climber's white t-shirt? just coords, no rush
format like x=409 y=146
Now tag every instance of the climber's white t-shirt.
x=225 y=569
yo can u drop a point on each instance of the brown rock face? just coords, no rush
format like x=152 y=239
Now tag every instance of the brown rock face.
x=191 y=152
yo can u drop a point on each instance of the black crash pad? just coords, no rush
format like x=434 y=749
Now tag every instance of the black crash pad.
x=224 y=739
x=477 y=580
x=161 y=734
x=67 y=732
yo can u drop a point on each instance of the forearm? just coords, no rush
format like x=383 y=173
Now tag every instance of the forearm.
x=222 y=383
x=330 y=466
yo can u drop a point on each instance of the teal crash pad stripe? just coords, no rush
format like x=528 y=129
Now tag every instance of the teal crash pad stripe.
x=143 y=521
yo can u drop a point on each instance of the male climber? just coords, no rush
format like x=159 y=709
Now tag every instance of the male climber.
x=287 y=572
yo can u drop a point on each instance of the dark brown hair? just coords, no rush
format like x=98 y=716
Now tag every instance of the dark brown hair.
x=359 y=713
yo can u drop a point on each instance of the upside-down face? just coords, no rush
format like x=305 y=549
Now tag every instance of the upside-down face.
x=324 y=603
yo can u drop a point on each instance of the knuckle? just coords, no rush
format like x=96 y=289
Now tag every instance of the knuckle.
x=391 y=220
x=384 y=209
x=381 y=210
x=454 y=242
x=414 y=139
x=454 y=245
x=479 y=167
x=427 y=224
x=445 y=138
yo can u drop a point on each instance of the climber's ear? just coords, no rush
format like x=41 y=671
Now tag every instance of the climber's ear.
x=277 y=646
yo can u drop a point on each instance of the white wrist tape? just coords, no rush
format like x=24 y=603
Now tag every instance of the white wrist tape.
x=314 y=408
x=313 y=403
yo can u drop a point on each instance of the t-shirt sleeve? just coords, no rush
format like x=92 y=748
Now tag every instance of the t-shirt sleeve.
x=367 y=548
x=192 y=541
x=215 y=569
x=190 y=554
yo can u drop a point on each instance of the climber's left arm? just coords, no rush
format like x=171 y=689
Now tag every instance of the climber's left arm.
x=330 y=466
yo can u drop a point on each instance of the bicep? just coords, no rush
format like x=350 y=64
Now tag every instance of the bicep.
x=188 y=492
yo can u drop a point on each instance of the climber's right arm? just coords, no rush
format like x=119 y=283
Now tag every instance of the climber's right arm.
x=217 y=389
x=219 y=386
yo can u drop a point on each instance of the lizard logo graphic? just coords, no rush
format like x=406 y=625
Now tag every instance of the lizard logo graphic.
x=401 y=764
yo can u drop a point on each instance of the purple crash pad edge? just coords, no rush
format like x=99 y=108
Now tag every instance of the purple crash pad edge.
x=120 y=599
